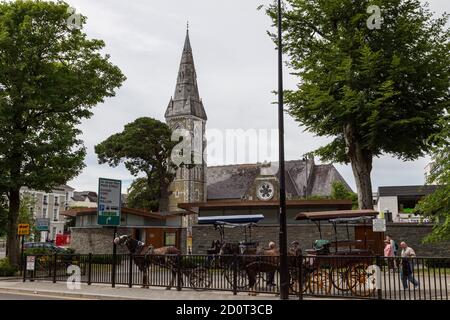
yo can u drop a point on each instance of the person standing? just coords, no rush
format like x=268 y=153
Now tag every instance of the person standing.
x=271 y=275
x=407 y=272
x=390 y=251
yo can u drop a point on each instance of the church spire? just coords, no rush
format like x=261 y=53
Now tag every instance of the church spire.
x=186 y=100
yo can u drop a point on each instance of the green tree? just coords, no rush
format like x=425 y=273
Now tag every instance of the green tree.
x=141 y=196
x=340 y=192
x=438 y=203
x=375 y=92
x=27 y=203
x=145 y=147
x=51 y=75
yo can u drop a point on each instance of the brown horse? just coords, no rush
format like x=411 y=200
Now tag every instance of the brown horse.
x=144 y=256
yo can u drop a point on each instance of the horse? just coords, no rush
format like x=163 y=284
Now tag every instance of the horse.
x=256 y=260
x=144 y=256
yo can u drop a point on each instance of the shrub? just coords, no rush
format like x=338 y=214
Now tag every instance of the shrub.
x=6 y=269
x=193 y=261
x=438 y=263
x=101 y=259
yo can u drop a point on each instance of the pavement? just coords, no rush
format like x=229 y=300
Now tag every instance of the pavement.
x=27 y=296
x=106 y=292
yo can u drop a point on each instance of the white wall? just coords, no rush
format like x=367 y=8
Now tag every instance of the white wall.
x=388 y=203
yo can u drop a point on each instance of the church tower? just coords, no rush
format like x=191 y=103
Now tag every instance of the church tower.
x=185 y=112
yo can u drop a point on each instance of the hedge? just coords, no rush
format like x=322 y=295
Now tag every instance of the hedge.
x=6 y=269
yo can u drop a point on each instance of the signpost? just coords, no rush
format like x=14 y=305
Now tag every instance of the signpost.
x=108 y=211
x=23 y=229
x=379 y=225
x=109 y=202
x=31 y=260
x=43 y=224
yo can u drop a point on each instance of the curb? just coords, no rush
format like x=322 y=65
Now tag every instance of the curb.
x=50 y=293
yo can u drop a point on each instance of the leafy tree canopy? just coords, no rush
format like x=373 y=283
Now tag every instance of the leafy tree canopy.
x=438 y=203
x=51 y=75
x=372 y=91
x=145 y=147
x=141 y=196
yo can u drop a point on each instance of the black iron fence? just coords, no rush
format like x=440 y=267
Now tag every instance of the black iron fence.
x=328 y=276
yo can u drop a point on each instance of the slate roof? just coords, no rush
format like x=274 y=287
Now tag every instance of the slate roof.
x=421 y=190
x=233 y=181
x=81 y=196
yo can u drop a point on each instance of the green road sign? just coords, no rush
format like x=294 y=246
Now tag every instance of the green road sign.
x=42 y=224
x=109 y=202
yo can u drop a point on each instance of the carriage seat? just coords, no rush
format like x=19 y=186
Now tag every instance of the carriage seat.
x=320 y=247
x=245 y=247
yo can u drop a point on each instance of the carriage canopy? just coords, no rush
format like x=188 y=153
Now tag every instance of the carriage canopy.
x=337 y=216
x=230 y=220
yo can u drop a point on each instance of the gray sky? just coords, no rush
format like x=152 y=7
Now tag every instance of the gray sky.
x=236 y=66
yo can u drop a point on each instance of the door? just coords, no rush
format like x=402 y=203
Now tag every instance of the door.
x=374 y=240
x=155 y=237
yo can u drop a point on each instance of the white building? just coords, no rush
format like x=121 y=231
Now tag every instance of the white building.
x=83 y=199
x=49 y=205
x=399 y=201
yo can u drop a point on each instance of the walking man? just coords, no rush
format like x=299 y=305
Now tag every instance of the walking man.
x=407 y=272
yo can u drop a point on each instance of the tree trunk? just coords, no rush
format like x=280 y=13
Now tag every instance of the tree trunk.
x=13 y=215
x=164 y=197
x=361 y=161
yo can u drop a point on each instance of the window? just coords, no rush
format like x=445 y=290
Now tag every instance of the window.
x=45 y=200
x=170 y=239
x=55 y=214
x=44 y=212
x=56 y=201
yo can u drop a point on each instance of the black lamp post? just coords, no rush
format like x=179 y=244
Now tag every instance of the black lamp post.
x=284 y=270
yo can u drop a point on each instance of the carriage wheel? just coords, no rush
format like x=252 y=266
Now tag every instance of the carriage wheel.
x=200 y=278
x=294 y=284
x=361 y=281
x=340 y=278
x=319 y=282
x=242 y=278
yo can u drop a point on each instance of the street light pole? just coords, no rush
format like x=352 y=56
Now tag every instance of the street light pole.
x=284 y=271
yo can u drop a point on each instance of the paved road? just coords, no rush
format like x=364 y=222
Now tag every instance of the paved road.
x=15 y=296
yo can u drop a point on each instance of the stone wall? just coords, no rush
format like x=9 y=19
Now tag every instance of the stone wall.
x=100 y=241
x=306 y=234
x=413 y=235
x=95 y=240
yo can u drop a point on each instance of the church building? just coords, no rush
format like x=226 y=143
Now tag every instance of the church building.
x=198 y=185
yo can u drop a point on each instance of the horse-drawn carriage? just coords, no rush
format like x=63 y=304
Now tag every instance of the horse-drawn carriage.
x=341 y=264
x=230 y=257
